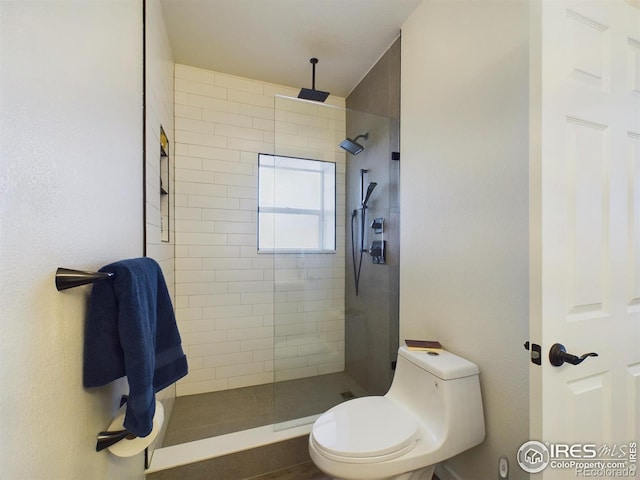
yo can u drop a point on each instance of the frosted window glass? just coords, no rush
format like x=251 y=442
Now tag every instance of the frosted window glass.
x=296 y=204
x=291 y=232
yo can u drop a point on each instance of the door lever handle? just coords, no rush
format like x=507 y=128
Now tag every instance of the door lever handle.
x=558 y=356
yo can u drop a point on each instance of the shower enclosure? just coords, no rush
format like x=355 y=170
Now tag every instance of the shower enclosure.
x=291 y=338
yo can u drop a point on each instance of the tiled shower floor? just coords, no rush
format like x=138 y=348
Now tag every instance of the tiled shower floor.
x=195 y=417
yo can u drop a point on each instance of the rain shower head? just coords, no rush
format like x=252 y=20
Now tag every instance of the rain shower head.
x=372 y=185
x=352 y=146
x=312 y=93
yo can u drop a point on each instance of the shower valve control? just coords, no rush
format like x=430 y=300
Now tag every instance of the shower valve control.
x=378 y=225
x=376 y=250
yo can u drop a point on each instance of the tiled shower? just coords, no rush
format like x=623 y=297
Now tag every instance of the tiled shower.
x=250 y=318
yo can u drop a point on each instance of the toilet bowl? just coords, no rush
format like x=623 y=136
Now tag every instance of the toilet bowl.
x=432 y=412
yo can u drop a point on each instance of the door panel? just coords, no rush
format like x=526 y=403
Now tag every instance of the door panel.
x=633 y=386
x=589 y=398
x=633 y=165
x=587 y=219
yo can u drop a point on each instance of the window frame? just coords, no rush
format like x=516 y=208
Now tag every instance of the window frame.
x=322 y=213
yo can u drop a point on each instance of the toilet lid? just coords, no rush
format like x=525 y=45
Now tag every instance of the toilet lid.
x=365 y=427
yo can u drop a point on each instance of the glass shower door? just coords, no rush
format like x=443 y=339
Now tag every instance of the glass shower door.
x=309 y=185
x=304 y=218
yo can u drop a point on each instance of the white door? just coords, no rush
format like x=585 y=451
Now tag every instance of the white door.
x=585 y=240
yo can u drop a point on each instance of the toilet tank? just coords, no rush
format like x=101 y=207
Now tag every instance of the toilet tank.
x=444 y=365
x=443 y=391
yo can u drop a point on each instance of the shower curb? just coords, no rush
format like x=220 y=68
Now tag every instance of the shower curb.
x=223 y=445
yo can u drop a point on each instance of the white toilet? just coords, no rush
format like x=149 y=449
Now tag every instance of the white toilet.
x=432 y=412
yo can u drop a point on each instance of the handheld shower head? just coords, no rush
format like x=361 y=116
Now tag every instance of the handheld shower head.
x=352 y=146
x=372 y=185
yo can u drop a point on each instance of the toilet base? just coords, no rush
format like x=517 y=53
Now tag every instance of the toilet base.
x=422 y=474
x=425 y=473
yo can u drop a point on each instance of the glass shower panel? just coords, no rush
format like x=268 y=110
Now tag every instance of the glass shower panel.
x=309 y=259
x=330 y=344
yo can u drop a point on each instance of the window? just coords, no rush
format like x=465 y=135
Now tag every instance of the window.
x=296 y=204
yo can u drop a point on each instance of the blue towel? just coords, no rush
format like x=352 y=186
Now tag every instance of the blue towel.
x=131 y=330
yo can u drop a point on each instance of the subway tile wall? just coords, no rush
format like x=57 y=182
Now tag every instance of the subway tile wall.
x=248 y=318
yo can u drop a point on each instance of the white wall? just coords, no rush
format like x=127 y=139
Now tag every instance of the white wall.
x=70 y=189
x=464 y=197
x=224 y=288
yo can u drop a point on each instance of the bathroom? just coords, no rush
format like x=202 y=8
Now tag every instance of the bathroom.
x=46 y=216
x=71 y=177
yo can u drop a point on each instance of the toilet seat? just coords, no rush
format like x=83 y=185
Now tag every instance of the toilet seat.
x=365 y=430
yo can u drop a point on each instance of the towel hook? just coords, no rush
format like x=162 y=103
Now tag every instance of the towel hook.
x=68 y=278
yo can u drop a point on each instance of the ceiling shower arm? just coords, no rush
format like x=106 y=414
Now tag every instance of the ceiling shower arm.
x=313 y=72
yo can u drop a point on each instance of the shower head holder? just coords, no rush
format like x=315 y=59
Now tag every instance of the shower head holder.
x=352 y=146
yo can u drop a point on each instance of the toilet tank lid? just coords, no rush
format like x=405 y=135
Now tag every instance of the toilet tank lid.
x=444 y=365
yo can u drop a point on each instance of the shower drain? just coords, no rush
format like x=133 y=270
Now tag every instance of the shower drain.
x=348 y=395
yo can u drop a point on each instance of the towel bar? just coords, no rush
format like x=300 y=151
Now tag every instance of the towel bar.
x=68 y=278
